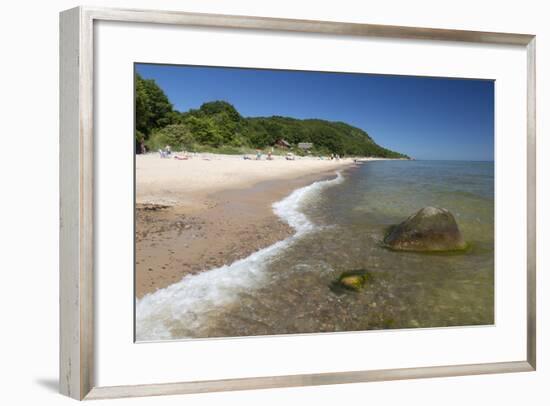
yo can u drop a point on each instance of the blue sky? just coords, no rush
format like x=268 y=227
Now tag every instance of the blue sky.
x=425 y=118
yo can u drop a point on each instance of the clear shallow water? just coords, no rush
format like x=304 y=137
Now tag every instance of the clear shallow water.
x=286 y=288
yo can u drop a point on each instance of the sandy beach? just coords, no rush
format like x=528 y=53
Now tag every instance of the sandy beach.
x=211 y=210
x=174 y=182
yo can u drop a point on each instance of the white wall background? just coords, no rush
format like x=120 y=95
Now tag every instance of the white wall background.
x=29 y=199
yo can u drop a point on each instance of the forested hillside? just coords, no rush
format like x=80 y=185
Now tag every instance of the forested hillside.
x=218 y=126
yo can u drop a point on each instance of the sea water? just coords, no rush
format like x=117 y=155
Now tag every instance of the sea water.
x=339 y=225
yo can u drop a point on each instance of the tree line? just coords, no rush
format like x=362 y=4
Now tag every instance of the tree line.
x=218 y=126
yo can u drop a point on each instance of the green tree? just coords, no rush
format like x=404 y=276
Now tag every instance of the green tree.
x=152 y=107
x=178 y=136
x=204 y=131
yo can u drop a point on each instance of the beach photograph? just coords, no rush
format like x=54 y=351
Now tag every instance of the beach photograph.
x=271 y=202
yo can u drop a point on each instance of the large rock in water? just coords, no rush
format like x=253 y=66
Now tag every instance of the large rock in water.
x=430 y=229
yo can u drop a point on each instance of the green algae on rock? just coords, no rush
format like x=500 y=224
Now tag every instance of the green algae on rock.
x=354 y=280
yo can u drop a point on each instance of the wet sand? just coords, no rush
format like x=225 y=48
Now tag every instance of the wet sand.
x=208 y=230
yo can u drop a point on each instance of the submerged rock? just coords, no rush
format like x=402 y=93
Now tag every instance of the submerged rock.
x=352 y=280
x=430 y=229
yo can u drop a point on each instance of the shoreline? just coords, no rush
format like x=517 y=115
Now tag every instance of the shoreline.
x=289 y=286
x=189 y=183
x=213 y=229
x=209 y=291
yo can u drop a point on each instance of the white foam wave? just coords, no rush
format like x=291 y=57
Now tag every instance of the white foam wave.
x=188 y=302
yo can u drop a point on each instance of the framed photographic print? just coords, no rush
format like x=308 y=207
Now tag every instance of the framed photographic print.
x=299 y=202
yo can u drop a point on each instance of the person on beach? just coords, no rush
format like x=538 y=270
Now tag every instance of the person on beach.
x=258 y=155
x=183 y=157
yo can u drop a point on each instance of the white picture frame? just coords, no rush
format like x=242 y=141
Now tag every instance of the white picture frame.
x=77 y=348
